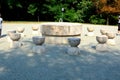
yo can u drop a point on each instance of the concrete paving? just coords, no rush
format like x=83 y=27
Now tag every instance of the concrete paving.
x=55 y=63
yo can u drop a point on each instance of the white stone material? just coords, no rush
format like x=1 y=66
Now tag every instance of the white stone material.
x=73 y=51
x=103 y=31
x=90 y=34
x=15 y=36
x=110 y=35
x=90 y=29
x=15 y=44
x=38 y=49
x=35 y=28
x=35 y=32
x=61 y=29
x=111 y=42
x=22 y=35
x=101 y=47
x=102 y=39
x=9 y=39
x=20 y=29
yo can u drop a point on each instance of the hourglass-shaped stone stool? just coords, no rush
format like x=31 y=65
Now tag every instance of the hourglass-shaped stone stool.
x=103 y=31
x=8 y=35
x=21 y=30
x=111 y=37
x=90 y=31
x=73 y=49
x=15 y=37
x=38 y=41
x=35 y=30
x=101 y=46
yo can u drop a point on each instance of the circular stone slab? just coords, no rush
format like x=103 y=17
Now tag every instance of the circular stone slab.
x=61 y=29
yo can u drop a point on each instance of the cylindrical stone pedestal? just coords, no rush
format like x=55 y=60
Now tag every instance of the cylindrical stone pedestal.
x=111 y=42
x=73 y=49
x=38 y=49
x=38 y=41
x=15 y=40
x=9 y=39
x=90 y=34
x=20 y=30
x=111 y=37
x=101 y=46
x=15 y=44
x=35 y=30
x=103 y=31
x=90 y=31
x=8 y=35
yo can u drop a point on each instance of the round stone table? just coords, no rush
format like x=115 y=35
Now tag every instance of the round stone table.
x=59 y=32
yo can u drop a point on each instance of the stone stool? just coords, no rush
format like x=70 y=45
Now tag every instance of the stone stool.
x=90 y=31
x=8 y=35
x=38 y=41
x=35 y=30
x=103 y=31
x=73 y=49
x=111 y=37
x=101 y=46
x=21 y=30
x=15 y=40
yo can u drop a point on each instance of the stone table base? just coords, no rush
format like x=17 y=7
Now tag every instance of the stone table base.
x=102 y=47
x=73 y=51
x=38 y=49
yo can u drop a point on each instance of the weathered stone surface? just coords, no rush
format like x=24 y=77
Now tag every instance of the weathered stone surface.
x=102 y=39
x=10 y=31
x=90 y=29
x=57 y=40
x=22 y=35
x=35 y=32
x=15 y=44
x=74 y=42
x=38 y=40
x=20 y=29
x=15 y=36
x=111 y=42
x=35 y=28
x=110 y=35
x=61 y=29
x=90 y=34
x=73 y=51
x=38 y=49
x=9 y=39
x=101 y=47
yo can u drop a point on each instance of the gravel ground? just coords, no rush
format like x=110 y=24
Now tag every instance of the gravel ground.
x=54 y=63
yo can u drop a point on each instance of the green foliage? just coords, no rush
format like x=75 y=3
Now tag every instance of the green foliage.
x=83 y=11
x=32 y=9
x=96 y=19
x=70 y=15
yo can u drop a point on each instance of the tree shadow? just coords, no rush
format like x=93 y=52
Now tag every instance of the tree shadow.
x=55 y=64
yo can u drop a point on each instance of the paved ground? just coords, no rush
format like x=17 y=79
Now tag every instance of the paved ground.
x=55 y=64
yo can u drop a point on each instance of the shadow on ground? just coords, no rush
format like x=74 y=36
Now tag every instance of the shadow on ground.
x=55 y=64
